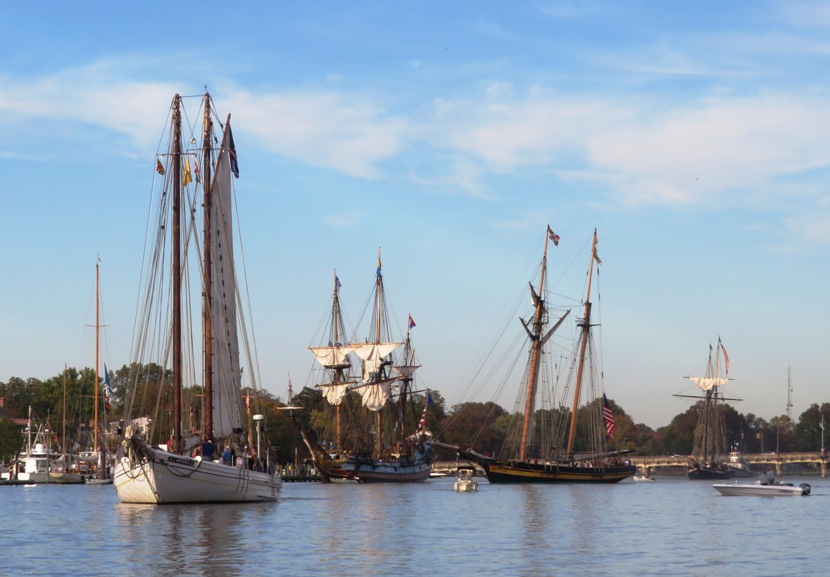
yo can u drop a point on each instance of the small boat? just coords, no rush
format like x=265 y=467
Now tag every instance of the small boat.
x=465 y=480
x=437 y=475
x=643 y=478
x=758 y=489
x=39 y=463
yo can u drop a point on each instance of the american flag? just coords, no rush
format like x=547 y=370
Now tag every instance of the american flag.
x=609 y=417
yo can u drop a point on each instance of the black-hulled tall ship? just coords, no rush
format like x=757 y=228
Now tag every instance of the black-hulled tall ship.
x=571 y=443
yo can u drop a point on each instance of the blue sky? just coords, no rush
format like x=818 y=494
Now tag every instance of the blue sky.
x=692 y=135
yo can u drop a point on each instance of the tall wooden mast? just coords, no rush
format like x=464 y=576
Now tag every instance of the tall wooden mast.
x=176 y=241
x=535 y=334
x=207 y=317
x=338 y=372
x=583 y=348
x=378 y=333
x=97 y=324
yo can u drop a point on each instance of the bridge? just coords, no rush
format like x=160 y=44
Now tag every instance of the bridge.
x=784 y=463
x=810 y=462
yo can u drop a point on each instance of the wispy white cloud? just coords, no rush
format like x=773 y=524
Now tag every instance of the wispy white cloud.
x=713 y=149
x=344 y=219
x=332 y=130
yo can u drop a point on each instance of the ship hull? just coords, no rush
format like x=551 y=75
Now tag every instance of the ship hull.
x=366 y=470
x=161 y=477
x=706 y=474
x=523 y=472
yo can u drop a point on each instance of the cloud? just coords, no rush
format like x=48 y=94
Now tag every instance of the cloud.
x=332 y=130
x=763 y=148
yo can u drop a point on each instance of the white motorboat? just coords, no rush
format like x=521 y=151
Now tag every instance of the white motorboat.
x=643 y=478
x=465 y=480
x=762 y=490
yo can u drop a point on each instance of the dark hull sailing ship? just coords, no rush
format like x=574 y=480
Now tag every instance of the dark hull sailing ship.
x=188 y=468
x=555 y=458
x=707 y=462
x=369 y=442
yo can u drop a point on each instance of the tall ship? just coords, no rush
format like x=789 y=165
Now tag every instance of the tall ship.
x=569 y=440
x=366 y=430
x=189 y=439
x=708 y=460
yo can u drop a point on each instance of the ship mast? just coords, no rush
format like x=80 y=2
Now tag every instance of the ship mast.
x=177 y=276
x=535 y=351
x=534 y=332
x=97 y=325
x=378 y=332
x=585 y=325
x=337 y=377
x=208 y=273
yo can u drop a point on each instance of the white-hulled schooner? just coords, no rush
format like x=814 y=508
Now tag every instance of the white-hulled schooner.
x=190 y=467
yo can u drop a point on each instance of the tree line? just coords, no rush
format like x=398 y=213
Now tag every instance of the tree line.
x=65 y=400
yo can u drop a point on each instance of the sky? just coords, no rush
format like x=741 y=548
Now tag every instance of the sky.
x=693 y=136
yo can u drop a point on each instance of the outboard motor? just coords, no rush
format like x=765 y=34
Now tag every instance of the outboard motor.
x=805 y=488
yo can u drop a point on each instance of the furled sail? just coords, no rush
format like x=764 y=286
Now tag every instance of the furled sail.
x=374 y=396
x=333 y=357
x=372 y=355
x=335 y=394
x=706 y=383
x=227 y=375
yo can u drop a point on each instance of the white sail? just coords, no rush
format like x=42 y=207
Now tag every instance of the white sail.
x=405 y=371
x=372 y=355
x=706 y=383
x=227 y=409
x=374 y=396
x=332 y=357
x=335 y=394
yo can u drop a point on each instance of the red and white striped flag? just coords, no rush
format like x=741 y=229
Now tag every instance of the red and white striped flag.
x=609 y=417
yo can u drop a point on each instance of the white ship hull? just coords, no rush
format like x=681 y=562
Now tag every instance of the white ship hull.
x=170 y=478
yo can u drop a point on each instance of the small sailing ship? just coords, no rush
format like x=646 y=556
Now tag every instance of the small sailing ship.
x=102 y=473
x=573 y=445
x=370 y=442
x=188 y=467
x=707 y=461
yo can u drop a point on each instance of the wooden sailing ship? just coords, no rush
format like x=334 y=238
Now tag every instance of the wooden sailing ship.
x=182 y=463
x=370 y=441
x=708 y=459
x=571 y=443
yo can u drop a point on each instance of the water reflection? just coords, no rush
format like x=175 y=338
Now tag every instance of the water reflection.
x=207 y=540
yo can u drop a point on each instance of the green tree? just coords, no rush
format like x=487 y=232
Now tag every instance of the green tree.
x=11 y=441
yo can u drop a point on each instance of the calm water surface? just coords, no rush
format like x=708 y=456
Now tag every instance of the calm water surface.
x=670 y=527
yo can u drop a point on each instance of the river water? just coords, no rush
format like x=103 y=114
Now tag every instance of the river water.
x=670 y=527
